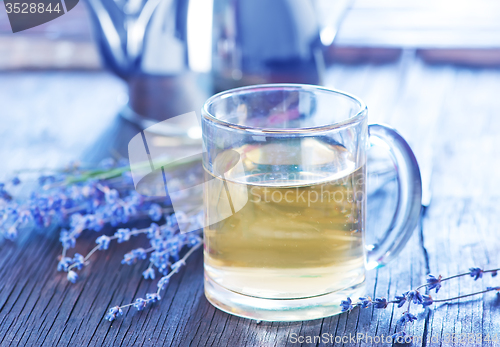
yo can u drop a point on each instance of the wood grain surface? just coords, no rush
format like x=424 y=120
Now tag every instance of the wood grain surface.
x=448 y=114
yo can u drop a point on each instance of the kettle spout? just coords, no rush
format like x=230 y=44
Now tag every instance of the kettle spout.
x=110 y=33
x=119 y=28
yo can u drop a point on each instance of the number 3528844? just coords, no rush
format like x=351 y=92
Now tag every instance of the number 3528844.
x=40 y=7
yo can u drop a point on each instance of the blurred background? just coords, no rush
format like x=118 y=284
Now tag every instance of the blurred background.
x=377 y=31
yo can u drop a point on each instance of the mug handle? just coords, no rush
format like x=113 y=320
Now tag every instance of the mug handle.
x=409 y=200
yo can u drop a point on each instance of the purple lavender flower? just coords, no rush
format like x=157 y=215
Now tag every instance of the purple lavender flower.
x=415 y=296
x=103 y=242
x=494 y=273
x=64 y=263
x=113 y=313
x=140 y=304
x=346 y=305
x=162 y=283
x=78 y=261
x=380 y=303
x=163 y=268
x=122 y=235
x=407 y=317
x=167 y=231
x=111 y=196
x=427 y=301
x=43 y=204
x=476 y=273
x=128 y=258
x=174 y=252
x=153 y=297
x=88 y=221
x=365 y=302
x=401 y=337
x=4 y=194
x=149 y=273
x=400 y=299
x=16 y=181
x=76 y=220
x=130 y=209
x=67 y=239
x=153 y=230
x=155 y=212
x=433 y=282
x=132 y=256
x=72 y=276
x=156 y=258
x=98 y=223
x=139 y=253
x=25 y=216
x=117 y=215
x=157 y=244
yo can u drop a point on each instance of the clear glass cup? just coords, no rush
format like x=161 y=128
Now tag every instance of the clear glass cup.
x=285 y=200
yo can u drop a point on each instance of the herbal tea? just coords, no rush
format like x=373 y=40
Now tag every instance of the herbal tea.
x=300 y=232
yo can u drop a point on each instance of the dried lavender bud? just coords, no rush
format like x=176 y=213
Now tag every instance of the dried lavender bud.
x=153 y=297
x=64 y=264
x=122 y=235
x=149 y=273
x=162 y=283
x=400 y=300
x=140 y=304
x=78 y=261
x=476 y=273
x=365 y=302
x=346 y=305
x=415 y=296
x=427 y=301
x=433 y=282
x=155 y=212
x=72 y=276
x=103 y=242
x=113 y=313
x=380 y=303
x=401 y=337
x=407 y=317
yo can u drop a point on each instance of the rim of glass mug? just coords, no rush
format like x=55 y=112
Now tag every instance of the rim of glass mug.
x=360 y=115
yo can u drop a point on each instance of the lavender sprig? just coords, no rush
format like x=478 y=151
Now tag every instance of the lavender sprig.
x=415 y=297
x=140 y=303
x=80 y=199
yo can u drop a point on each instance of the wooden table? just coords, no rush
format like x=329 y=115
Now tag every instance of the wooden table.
x=450 y=117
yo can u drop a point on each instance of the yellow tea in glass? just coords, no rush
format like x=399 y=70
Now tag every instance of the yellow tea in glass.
x=285 y=201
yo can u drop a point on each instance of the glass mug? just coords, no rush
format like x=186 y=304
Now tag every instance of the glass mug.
x=285 y=200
